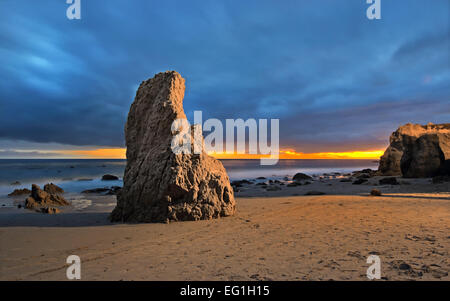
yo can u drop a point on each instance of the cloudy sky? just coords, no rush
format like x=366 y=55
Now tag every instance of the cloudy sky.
x=337 y=81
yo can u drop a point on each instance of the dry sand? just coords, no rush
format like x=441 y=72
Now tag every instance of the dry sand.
x=278 y=237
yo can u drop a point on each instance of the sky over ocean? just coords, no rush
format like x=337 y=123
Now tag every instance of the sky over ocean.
x=337 y=81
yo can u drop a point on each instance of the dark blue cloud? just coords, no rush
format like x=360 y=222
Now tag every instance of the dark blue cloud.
x=336 y=80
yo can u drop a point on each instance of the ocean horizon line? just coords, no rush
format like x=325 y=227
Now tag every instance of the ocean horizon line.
x=222 y=159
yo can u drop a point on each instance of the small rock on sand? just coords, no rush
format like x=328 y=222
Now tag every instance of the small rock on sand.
x=404 y=266
x=301 y=176
x=109 y=178
x=114 y=190
x=50 y=210
x=388 y=181
x=315 y=193
x=52 y=188
x=375 y=192
x=240 y=183
x=20 y=192
x=365 y=173
x=96 y=190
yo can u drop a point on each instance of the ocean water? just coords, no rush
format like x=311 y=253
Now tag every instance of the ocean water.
x=76 y=175
x=248 y=169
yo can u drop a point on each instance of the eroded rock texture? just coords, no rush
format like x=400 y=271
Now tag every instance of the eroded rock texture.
x=418 y=151
x=53 y=189
x=41 y=198
x=159 y=185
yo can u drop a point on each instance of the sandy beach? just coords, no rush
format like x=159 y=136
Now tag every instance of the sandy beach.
x=275 y=235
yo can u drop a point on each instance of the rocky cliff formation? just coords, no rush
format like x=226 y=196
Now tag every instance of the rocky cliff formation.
x=417 y=151
x=159 y=185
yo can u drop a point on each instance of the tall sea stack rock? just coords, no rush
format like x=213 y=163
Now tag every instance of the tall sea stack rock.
x=417 y=151
x=159 y=185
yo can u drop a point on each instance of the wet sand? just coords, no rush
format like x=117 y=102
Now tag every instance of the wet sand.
x=280 y=235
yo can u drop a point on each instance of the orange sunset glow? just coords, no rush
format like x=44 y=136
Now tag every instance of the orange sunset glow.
x=291 y=154
x=120 y=153
x=100 y=153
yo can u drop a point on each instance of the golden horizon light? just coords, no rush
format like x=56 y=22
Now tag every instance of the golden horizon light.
x=120 y=153
x=100 y=153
